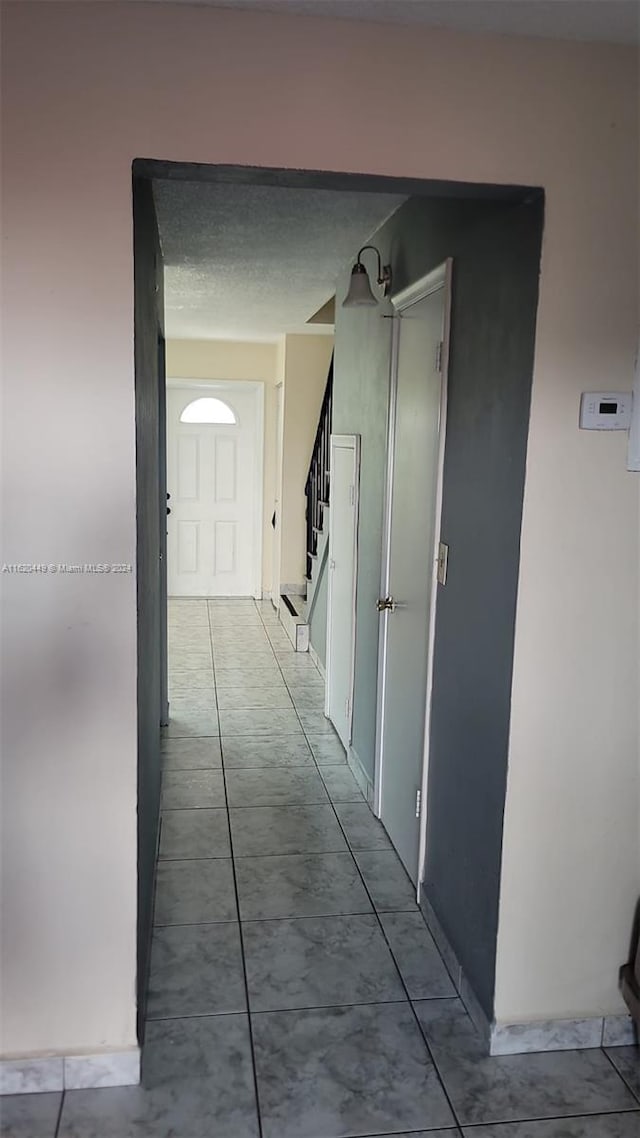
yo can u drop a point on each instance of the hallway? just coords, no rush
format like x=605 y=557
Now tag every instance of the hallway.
x=278 y=892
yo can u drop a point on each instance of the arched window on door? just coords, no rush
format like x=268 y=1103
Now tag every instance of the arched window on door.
x=208 y=410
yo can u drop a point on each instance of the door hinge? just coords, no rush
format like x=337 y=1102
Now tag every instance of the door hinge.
x=347 y=708
x=332 y=563
x=418 y=802
x=439 y=348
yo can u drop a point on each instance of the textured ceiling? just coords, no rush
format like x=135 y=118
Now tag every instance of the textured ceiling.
x=610 y=21
x=251 y=262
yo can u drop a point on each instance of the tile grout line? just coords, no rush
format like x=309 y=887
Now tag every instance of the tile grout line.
x=308 y=917
x=376 y=914
x=621 y=1076
x=292 y=853
x=546 y=1117
x=298 y=1008
x=235 y=888
x=59 y=1118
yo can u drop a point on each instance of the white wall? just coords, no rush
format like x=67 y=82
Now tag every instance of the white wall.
x=88 y=88
x=232 y=360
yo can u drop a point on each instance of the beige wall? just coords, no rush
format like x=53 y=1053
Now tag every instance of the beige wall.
x=88 y=88
x=306 y=367
x=229 y=360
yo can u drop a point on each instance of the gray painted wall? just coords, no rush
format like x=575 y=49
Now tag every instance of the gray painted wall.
x=149 y=388
x=496 y=250
x=496 y=296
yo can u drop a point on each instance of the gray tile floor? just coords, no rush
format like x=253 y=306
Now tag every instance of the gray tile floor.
x=295 y=991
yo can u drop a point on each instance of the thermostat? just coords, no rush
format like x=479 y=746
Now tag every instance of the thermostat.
x=605 y=411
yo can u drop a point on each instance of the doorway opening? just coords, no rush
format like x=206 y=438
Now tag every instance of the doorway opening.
x=243 y=694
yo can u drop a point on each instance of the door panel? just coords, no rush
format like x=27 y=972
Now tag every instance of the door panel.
x=188 y=533
x=214 y=472
x=187 y=489
x=226 y=470
x=413 y=521
x=225 y=547
x=343 y=525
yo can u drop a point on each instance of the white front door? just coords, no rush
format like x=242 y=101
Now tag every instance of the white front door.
x=408 y=603
x=214 y=478
x=342 y=567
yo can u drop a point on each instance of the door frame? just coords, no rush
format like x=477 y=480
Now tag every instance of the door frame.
x=352 y=443
x=163 y=506
x=438 y=278
x=257 y=386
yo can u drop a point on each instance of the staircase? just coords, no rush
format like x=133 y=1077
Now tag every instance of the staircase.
x=317 y=487
x=295 y=613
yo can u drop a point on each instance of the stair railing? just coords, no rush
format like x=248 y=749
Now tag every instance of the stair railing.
x=317 y=486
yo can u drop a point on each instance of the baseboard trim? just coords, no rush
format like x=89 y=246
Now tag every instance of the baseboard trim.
x=525 y=1038
x=561 y=1035
x=359 y=773
x=294 y=624
x=70 y=1072
x=460 y=981
x=317 y=661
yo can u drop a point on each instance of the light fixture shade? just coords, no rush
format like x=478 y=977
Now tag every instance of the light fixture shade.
x=359 y=293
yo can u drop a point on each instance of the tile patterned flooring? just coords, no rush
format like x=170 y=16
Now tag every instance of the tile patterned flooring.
x=295 y=991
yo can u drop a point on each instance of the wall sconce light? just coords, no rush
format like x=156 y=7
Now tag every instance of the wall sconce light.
x=360 y=293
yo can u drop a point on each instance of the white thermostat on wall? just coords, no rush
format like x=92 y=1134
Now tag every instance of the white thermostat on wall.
x=605 y=411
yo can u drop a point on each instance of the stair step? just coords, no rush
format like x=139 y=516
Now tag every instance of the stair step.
x=292 y=614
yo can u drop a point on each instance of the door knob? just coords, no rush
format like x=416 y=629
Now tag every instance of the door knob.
x=385 y=604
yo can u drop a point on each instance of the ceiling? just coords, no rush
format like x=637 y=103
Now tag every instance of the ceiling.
x=609 y=21
x=252 y=262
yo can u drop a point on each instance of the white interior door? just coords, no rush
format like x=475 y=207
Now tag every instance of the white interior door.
x=342 y=568
x=214 y=477
x=277 y=505
x=414 y=494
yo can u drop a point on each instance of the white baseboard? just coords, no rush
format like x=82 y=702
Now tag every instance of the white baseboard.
x=360 y=774
x=524 y=1038
x=296 y=628
x=561 y=1035
x=35 y=1074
